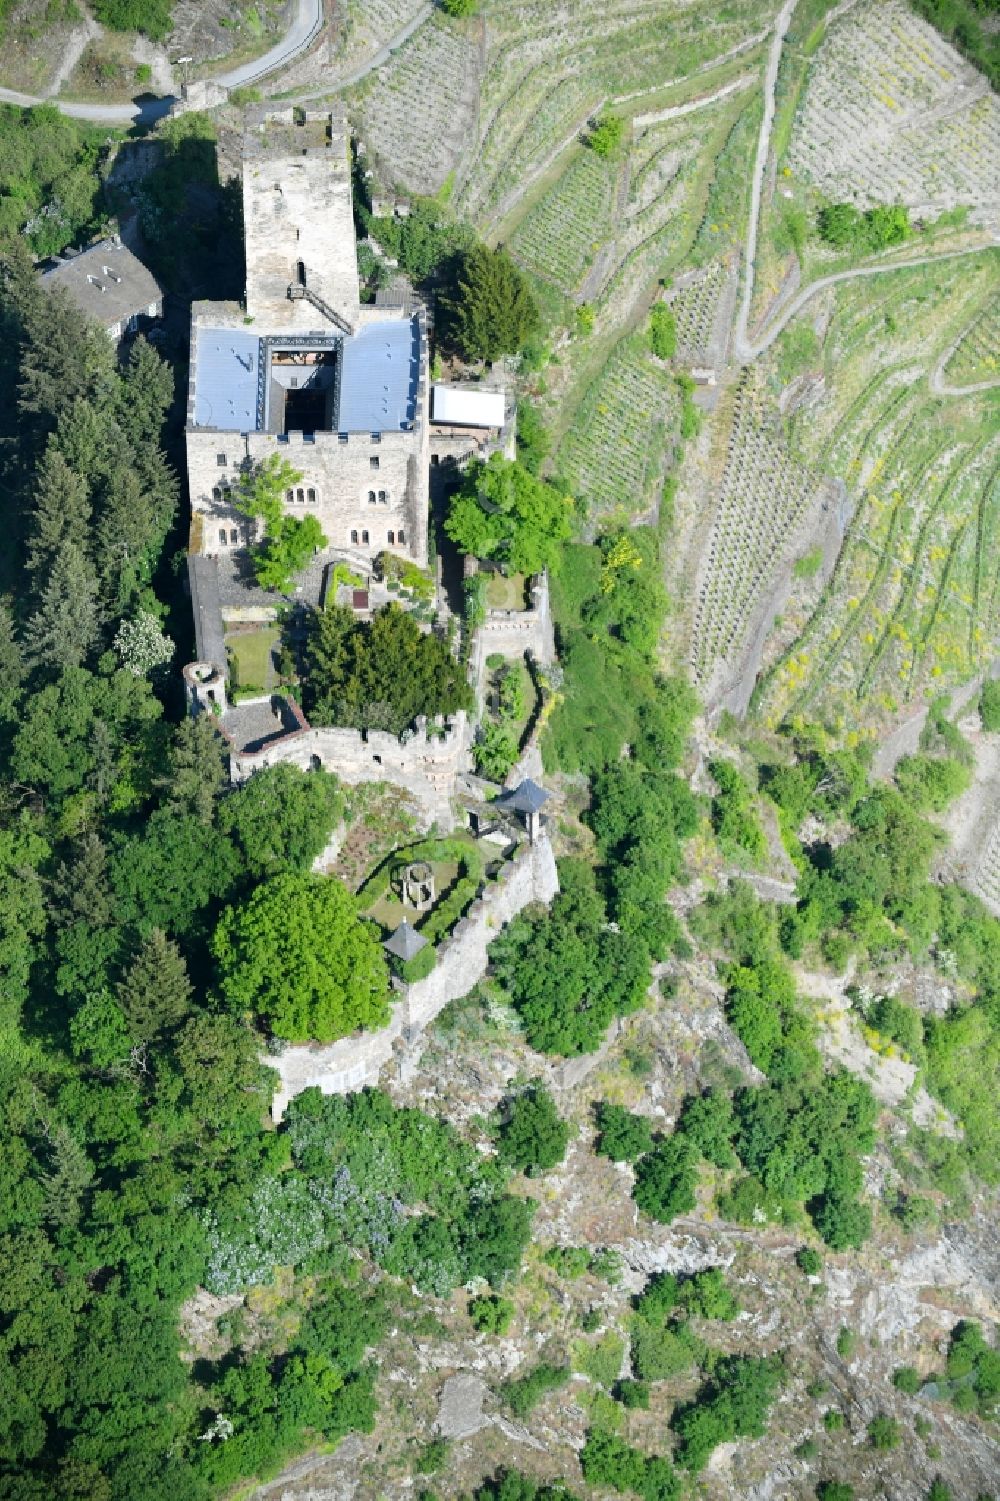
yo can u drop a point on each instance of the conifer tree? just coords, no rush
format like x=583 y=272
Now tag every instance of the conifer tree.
x=11 y=666
x=60 y=514
x=493 y=311
x=196 y=769
x=147 y=391
x=155 y=991
x=65 y=627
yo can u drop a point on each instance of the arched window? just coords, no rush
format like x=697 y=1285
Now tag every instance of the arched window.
x=371 y=497
x=392 y=539
x=301 y=497
x=364 y=538
x=234 y=536
x=290 y=496
x=354 y=536
x=401 y=537
x=383 y=497
x=311 y=497
x=222 y=536
x=216 y=493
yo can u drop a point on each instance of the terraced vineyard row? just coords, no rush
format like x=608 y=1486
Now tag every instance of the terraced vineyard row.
x=763 y=499
x=563 y=232
x=889 y=116
x=549 y=66
x=977 y=357
x=418 y=112
x=697 y=308
x=613 y=455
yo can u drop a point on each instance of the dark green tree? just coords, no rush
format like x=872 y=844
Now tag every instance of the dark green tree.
x=155 y=992
x=282 y=818
x=196 y=768
x=532 y=1135
x=492 y=311
x=64 y=629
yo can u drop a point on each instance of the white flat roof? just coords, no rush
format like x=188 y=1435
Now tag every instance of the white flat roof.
x=464 y=406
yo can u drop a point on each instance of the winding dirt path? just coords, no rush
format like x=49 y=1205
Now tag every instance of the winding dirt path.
x=750 y=352
x=781 y=25
x=940 y=387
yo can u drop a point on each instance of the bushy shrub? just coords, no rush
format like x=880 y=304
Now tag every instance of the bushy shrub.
x=525 y=1392
x=623 y=1136
x=532 y=1136
x=665 y=1180
x=808 y=1260
x=491 y=1314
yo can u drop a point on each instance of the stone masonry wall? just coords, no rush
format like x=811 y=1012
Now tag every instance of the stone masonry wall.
x=297 y=208
x=425 y=765
x=340 y=1067
x=339 y=473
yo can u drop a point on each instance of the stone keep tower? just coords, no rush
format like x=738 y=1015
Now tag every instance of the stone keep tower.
x=299 y=221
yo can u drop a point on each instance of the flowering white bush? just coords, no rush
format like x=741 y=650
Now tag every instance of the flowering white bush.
x=141 y=645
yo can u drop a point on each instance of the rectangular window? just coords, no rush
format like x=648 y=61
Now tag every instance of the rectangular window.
x=220 y=459
x=373 y=461
x=342 y=437
x=376 y=437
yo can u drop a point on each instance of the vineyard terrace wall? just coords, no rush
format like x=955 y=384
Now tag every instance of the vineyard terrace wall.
x=353 y=1062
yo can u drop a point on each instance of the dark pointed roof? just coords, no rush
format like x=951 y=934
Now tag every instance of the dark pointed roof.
x=528 y=797
x=405 y=943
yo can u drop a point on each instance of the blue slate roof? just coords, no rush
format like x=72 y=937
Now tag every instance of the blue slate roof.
x=380 y=371
x=378 y=382
x=225 y=379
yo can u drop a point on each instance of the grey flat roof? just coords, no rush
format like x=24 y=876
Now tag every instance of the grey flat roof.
x=209 y=632
x=378 y=382
x=106 y=282
x=379 y=375
x=224 y=361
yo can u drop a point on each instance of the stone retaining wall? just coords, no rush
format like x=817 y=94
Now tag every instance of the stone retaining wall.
x=340 y=1067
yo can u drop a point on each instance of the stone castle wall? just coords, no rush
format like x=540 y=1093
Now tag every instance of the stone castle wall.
x=426 y=765
x=350 y=1064
x=339 y=473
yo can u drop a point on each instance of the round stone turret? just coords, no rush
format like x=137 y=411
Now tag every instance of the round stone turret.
x=204 y=688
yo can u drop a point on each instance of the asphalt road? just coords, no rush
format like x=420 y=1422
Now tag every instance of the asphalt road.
x=145 y=109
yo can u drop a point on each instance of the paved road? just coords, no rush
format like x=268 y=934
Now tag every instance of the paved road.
x=304 y=28
x=377 y=60
x=302 y=31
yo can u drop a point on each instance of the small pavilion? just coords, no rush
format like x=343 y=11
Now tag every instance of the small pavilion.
x=528 y=799
x=405 y=944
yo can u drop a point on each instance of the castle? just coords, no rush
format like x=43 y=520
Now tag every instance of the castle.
x=306 y=371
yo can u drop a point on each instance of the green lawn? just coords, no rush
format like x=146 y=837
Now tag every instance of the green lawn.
x=506 y=593
x=250 y=655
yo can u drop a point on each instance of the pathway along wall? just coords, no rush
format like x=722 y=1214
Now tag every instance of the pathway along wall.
x=353 y=1062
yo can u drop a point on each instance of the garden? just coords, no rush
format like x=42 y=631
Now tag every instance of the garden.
x=430 y=884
